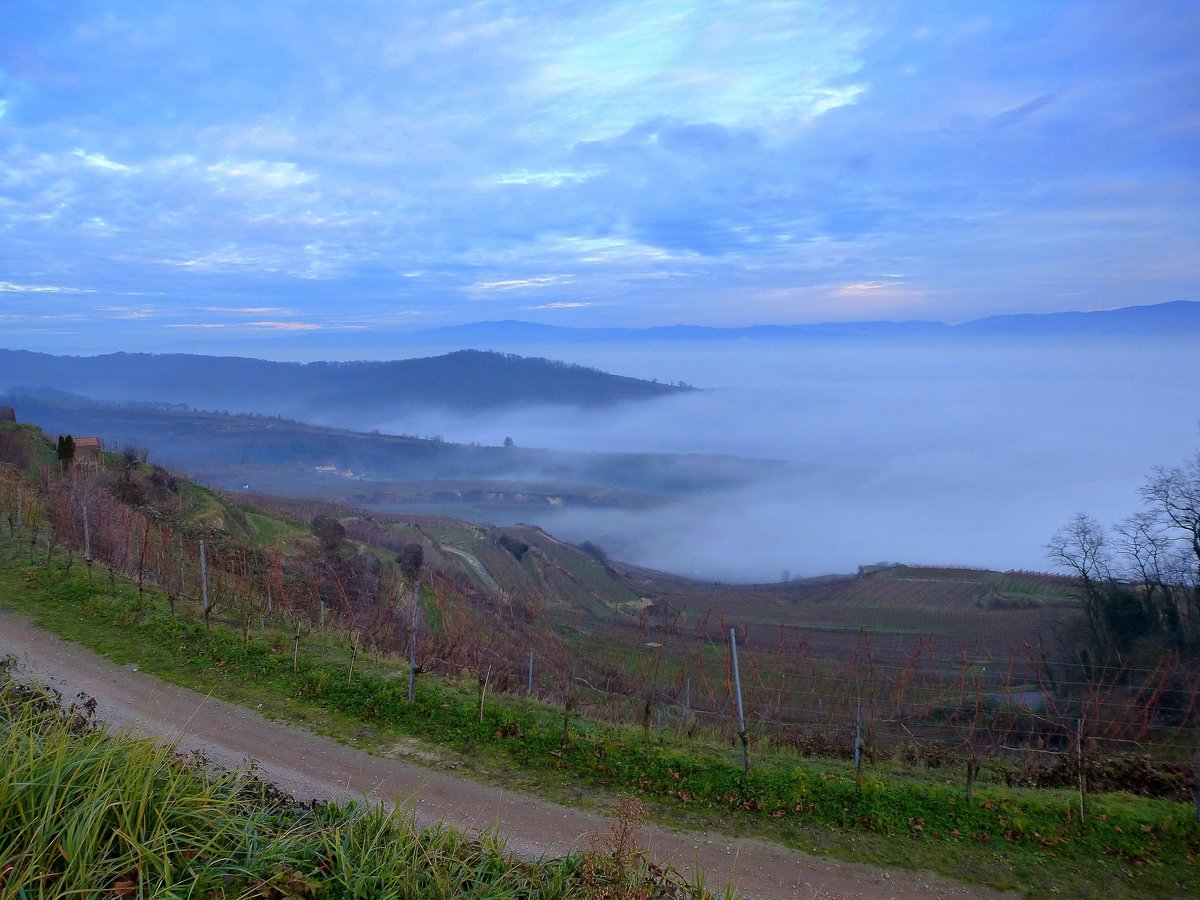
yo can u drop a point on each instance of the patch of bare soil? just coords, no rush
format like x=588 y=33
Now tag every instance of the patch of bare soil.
x=414 y=751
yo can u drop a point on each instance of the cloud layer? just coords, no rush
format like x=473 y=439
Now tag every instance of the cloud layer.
x=390 y=165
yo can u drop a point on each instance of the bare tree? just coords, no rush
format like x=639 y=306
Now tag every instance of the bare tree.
x=1174 y=494
x=1148 y=561
x=1145 y=584
x=1080 y=547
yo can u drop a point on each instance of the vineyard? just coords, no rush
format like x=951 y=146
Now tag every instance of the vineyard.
x=934 y=715
x=929 y=664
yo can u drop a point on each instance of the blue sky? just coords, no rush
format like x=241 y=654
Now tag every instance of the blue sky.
x=225 y=169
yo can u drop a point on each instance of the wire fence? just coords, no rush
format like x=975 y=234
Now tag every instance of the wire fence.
x=923 y=698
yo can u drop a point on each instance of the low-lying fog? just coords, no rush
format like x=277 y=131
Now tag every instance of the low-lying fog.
x=938 y=453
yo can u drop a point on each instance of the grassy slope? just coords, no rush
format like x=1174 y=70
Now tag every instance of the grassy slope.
x=1130 y=846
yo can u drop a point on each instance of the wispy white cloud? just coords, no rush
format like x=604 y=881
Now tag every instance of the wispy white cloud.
x=261 y=172
x=764 y=62
x=217 y=260
x=100 y=161
x=10 y=287
x=545 y=179
x=864 y=287
x=312 y=261
x=58 y=317
x=267 y=326
x=287 y=326
x=607 y=249
x=386 y=319
x=521 y=284
x=875 y=293
x=131 y=312
x=562 y=304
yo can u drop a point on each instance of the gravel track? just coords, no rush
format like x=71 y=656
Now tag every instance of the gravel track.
x=307 y=766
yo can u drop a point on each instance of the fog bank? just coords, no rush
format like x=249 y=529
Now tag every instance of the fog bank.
x=968 y=454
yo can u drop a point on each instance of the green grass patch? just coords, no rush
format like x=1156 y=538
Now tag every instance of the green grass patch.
x=270 y=531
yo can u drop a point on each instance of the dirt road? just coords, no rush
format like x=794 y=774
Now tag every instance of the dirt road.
x=310 y=766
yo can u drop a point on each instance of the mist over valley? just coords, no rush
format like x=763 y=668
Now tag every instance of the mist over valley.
x=925 y=452
x=794 y=456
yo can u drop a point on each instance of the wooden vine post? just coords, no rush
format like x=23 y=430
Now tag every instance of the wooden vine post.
x=737 y=684
x=858 y=743
x=87 y=543
x=296 y=646
x=1082 y=762
x=1198 y=787
x=354 y=641
x=412 y=642
x=204 y=604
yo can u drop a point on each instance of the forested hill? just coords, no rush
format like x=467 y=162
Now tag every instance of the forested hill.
x=467 y=380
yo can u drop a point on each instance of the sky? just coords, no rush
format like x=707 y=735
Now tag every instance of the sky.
x=211 y=171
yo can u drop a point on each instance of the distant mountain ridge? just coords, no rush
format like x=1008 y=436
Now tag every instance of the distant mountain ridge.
x=1176 y=317
x=1179 y=316
x=467 y=380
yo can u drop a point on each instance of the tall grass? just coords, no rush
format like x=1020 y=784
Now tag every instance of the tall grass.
x=81 y=813
x=88 y=814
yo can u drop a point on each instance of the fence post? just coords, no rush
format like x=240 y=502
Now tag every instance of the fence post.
x=529 y=687
x=1082 y=771
x=87 y=543
x=737 y=683
x=203 y=581
x=412 y=644
x=858 y=738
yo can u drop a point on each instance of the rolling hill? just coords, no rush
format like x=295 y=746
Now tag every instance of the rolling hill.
x=466 y=380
